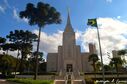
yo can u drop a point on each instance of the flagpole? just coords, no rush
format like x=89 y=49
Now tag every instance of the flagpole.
x=99 y=42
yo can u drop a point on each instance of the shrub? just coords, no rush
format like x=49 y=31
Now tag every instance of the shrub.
x=89 y=81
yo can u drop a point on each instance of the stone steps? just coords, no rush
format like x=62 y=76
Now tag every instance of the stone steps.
x=73 y=82
x=59 y=82
x=78 y=82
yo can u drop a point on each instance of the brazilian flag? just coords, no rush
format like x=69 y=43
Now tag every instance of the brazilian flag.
x=92 y=22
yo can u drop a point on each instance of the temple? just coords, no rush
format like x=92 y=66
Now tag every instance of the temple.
x=69 y=57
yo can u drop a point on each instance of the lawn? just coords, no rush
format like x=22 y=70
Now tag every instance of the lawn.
x=30 y=81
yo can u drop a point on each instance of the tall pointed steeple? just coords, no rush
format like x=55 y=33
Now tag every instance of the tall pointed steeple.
x=68 y=25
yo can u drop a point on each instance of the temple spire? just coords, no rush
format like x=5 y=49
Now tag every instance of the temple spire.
x=68 y=19
x=68 y=25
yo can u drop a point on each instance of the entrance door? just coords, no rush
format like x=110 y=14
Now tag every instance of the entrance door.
x=69 y=68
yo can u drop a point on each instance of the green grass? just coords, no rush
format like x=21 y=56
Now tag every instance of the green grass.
x=30 y=81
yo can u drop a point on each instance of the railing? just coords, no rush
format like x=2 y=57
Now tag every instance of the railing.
x=68 y=78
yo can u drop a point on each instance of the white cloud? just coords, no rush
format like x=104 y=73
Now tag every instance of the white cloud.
x=13 y=53
x=112 y=33
x=118 y=17
x=16 y=16
x=109 y=1
x=4 y=6
x=2 y=9
x=49 y=43
x=6 y=3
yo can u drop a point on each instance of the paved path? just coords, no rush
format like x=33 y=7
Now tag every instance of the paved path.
x=3 y=81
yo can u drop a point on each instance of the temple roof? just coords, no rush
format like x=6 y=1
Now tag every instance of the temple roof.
x=68 y=25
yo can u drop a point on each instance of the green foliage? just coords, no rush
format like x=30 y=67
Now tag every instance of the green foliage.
x=32 y=59
x=42 y=14
x=22 y=40
x=89 y=80
x=7 y=63
x=2 y=40
x=40 y=56
x=30 y=81
x=21 y=36
x=107 y=67
x=7 y=46
x=94 y=58
x=42 y=67
x=116 y=62
x=122 y=52
x=98 y=66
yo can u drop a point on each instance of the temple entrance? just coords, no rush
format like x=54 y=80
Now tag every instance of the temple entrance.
x=69 y=68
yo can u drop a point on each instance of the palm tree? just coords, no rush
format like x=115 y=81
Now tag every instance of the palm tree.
x=123 y=53
x=116 y=61
x=107 y=68
x=94 y=58
x=41 y=15
x=98 y=66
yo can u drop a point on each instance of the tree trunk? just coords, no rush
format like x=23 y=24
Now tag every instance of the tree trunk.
x=94 y=69
x=16 y=62
x=36 y=65
x=21 y=62
x=117 y=70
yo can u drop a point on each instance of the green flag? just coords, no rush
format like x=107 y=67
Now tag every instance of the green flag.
x=92 y=22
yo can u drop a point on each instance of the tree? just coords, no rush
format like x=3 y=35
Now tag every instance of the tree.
x=40 y=56
x=123 y=53
x=2 y=41
x=116 y=61
x=98 y=66
x=22 y=41
x=7 y=64
x=107 y=67
x=42 y=67
x=94 y=58
x=31 y=61
x=41 y=15
x=6 y=47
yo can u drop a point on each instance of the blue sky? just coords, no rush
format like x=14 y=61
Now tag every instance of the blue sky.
x=111 y=14
x=80 y=11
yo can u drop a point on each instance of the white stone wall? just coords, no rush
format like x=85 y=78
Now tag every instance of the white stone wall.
x=52 y=62
x=60 y=59
x=87 y=67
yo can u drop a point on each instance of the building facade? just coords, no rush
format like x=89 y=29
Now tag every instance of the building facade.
x=69 y=57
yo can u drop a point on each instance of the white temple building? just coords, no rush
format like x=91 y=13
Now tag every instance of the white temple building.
x=69 y=57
